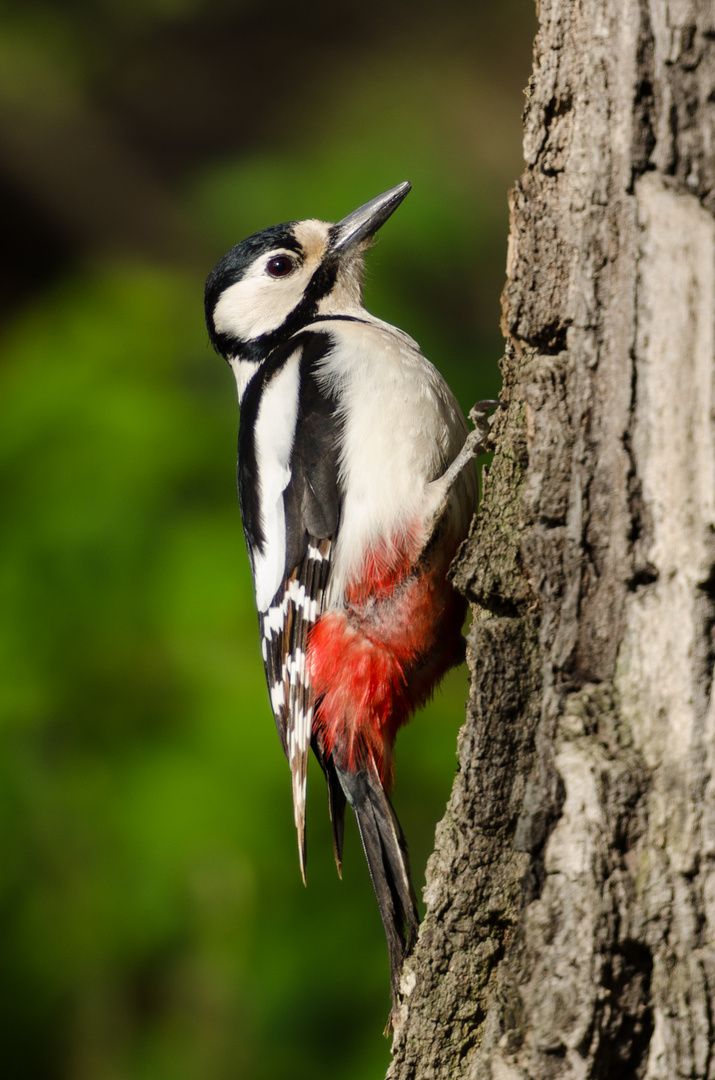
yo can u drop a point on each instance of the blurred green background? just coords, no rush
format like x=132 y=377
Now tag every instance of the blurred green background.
x=153 y=925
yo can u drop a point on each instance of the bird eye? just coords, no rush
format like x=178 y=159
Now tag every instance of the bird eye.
x=280 y=266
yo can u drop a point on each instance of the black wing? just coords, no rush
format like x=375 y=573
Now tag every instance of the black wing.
x=311 y=511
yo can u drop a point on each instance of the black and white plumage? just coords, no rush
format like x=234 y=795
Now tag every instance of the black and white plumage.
x=357 y=483
x=290 y=509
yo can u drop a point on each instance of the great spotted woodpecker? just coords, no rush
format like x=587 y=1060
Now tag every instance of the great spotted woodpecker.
x=357 y=483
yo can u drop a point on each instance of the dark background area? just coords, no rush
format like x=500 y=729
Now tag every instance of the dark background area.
x=153 y=925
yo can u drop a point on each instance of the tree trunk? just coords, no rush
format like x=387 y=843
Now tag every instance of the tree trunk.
x=571 y=895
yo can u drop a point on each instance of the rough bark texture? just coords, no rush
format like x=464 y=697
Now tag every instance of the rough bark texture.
x=571 y=894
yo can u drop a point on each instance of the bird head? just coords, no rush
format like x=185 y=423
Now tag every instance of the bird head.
x=273 y=283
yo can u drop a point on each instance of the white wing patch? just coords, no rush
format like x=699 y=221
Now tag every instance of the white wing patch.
x=274 y=435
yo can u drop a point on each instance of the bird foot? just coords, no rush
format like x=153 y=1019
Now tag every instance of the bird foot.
x=483 y=422
x=476 y=443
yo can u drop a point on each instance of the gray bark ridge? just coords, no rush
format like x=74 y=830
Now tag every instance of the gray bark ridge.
x=571 y=895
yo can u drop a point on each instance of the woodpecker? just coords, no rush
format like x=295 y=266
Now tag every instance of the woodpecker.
x=357 y=483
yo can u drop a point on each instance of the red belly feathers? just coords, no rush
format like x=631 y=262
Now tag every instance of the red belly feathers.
x=375 y=661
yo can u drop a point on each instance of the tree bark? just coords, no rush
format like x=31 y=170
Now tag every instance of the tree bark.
x=571 y=894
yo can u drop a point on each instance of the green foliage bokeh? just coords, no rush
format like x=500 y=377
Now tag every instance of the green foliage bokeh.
x=153 y=925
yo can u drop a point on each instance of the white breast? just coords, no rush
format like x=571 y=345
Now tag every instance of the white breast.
x=402 y=428
x=274 y=435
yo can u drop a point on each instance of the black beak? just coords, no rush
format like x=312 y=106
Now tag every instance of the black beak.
x=364 y=222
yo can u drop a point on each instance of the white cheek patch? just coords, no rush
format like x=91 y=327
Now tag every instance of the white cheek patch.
x=274 y=436
x=258 y=303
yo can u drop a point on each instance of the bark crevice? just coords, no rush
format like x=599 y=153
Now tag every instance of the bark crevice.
x=571 y=894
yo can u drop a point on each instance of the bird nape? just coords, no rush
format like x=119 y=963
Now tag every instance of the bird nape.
x=357 y=483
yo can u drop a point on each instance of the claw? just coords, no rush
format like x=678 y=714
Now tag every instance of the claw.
x=475 y=444
x=479 y=415
x=476 y=441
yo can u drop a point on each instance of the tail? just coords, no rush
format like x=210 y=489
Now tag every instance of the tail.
x=386 y=853
x=336 y=798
